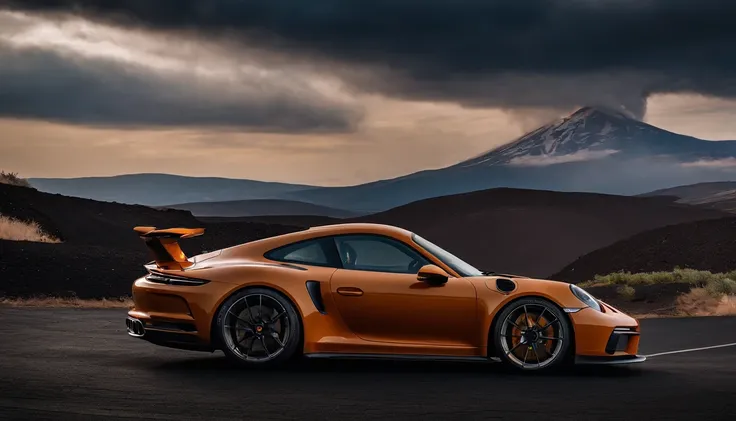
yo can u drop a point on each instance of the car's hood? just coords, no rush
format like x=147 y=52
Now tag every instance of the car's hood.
x=496 y=281
x=521 y=278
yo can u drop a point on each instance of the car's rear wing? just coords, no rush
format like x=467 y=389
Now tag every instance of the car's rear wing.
x=164 y=244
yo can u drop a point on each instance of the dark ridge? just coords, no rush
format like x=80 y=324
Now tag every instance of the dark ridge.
x=703 y=245
x=304 y=221
x=260 y=207
x=719 y=195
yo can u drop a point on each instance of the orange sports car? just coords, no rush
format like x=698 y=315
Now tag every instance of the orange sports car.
x=368 y=291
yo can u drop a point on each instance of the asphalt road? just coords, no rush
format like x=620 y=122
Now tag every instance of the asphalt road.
x=80 y=364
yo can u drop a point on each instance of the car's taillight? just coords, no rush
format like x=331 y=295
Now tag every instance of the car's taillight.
x=160 y=278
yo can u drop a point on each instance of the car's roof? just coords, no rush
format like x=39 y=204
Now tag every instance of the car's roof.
x=258 y=247
x=359 y=228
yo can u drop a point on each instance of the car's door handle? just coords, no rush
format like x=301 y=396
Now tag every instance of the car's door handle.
x=351 y=291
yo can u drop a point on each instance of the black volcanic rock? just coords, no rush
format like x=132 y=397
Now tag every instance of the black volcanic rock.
x=703 y=245
x=100 y=255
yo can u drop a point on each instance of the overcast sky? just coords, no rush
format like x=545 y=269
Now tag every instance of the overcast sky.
x=338 y=92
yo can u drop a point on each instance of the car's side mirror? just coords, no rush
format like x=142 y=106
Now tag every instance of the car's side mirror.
x=433 y=275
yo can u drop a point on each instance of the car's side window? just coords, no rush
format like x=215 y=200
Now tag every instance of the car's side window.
x=310 y=252
x=378 y=254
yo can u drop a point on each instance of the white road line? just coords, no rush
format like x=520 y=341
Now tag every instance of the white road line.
x=690 y=350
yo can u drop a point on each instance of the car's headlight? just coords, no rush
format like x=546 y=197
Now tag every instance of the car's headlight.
x=585 y=297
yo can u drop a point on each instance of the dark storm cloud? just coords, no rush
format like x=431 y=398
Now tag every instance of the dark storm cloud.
x=512 y=53
x=43 y=85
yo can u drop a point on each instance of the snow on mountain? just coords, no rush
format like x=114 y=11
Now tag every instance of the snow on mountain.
x=542 y=160
x=589 y=133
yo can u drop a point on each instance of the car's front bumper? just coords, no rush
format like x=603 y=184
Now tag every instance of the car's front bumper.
x=609 y=335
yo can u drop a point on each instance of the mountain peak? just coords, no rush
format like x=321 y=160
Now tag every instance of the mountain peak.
x=601 y=112
x=589 y=133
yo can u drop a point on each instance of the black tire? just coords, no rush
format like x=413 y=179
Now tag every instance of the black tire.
x=245 y=334
x=522 y=347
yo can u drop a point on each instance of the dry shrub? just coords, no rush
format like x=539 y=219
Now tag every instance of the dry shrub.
x=121 y=302
x=17 y=230
x=727 y=306
x=13 y=179
x=700 y=302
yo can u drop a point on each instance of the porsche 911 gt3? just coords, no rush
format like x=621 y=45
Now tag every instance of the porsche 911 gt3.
x=366 y=291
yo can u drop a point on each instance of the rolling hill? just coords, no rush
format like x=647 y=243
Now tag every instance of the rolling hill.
x=163 y=189
x=260 y=207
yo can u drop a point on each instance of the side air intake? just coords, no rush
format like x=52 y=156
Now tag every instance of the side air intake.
x=505 y=285
x=315 y=293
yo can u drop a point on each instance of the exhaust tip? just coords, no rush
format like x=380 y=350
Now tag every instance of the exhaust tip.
x=135 y=327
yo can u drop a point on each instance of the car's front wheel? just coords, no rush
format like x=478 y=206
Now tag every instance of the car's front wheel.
x=258 y=327
x=532 y=334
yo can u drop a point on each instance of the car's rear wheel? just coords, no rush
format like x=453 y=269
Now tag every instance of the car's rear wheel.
x=258 y=327
x=532 y=334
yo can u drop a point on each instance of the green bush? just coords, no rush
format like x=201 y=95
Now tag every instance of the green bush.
x=628 y=278
x=719 y=287
x=696 y=278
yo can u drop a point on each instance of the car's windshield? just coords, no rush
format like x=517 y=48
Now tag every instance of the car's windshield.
x=457 y=264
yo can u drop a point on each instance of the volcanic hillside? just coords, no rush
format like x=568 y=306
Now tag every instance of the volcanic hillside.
x=533 y=232
x=99 y=255
x=507 y=230
x=704 y=245
x=717 y=195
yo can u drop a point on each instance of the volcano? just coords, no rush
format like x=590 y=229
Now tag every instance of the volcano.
x=595 y=133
